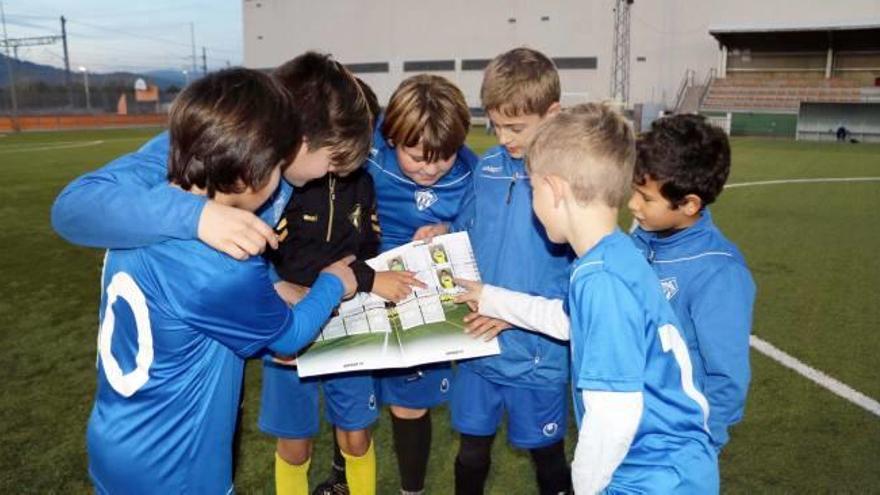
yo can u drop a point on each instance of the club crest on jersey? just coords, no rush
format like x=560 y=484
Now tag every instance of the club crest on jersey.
x=372 y=403
x=444 y=385
x=670 y=287
x=550 y=429
x=425 y=198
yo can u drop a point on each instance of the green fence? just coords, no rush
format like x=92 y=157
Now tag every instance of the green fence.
x=761 y=124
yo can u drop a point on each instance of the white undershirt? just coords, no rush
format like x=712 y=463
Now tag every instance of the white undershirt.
x=534 y=313
x=607 y=431
x=611 y=419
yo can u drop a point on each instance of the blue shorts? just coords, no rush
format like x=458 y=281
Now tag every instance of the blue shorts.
x=422 y=387
x=535 y=417
x=289 y=405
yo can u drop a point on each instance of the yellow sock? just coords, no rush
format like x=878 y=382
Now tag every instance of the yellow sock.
x=360 y=472
x=291 y=479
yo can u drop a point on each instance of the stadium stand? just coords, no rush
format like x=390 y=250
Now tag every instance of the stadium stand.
x=767 y=72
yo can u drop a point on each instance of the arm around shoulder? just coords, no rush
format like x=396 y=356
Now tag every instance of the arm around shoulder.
x=126 y=204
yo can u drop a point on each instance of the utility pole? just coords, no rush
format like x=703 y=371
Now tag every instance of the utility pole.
x=66 y=62
x=620 y=59
x=192 y=39
x=10 y=75
x=204 y=62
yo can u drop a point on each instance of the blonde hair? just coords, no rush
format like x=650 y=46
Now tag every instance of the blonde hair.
x=592 y=147
x=430 y=110
x=521 y=81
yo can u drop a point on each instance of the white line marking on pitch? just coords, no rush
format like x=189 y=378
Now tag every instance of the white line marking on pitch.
x=802 y=181
x=819 y=378
x=60 y=146
x=816 y=376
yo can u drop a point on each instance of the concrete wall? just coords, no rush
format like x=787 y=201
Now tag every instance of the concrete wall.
x=668 y=36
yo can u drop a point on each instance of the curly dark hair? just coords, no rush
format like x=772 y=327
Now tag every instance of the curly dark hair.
x=686 y=155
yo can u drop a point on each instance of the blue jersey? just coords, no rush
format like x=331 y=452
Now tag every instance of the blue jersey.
x=127 y=203
x=512 y=251
x=625 y=338
x=708 y=284
x=403 y=205
x=177 y=319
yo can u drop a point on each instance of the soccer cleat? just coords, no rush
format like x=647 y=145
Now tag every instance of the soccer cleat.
x=334 y=485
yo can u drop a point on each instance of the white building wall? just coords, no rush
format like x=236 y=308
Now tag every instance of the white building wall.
x=671 y=35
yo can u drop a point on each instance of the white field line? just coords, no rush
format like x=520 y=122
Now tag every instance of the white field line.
x=60 y=145
x=818 y=180
x=823 y=380
x=818 y=377
x=56 y=146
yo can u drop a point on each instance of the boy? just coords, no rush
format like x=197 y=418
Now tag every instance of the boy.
x=126 y=204
x=325 y=219
x=642 y=420
x=528 y=379
x=422 y=170
x=123 y=205
x=681 y=167
x=171 y=356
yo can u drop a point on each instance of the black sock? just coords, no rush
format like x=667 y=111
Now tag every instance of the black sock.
x=472 y=464
x=551 y=469
x=412 y=443
x=338 y=472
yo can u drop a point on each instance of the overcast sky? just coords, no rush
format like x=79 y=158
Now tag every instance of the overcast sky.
x=130 y=35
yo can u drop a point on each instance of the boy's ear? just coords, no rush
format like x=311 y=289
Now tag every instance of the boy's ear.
x=692 y=205
x=553 y=109
x=557 y=186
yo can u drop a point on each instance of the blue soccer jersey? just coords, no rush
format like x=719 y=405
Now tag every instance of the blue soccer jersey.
x=625 y=338
x=403 y=205
x=513 y=252
x=177 y=320
x=705 y=279
x=127 y=203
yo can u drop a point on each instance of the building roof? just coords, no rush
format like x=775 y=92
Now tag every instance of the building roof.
x=861 y=34
x=777 y=27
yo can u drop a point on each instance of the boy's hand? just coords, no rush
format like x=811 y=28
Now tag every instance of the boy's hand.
x=428 y=232
x=290 y=292
x=396 y=286
x=284 y=360
x=236 y=232
x=484 y=326
x=472 y=295
x=341 y=270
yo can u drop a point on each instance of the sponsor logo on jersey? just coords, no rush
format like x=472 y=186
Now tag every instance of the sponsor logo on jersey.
x=425 y=198
x=670 y=287
x=492 y=169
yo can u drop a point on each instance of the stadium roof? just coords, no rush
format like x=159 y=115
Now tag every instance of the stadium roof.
x=862 y=34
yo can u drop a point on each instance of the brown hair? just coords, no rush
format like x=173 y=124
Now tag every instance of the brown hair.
x=332 y=107
x=592 y=147
x=229 y=130
x=371 y=98
x=430 y=110
x=521 y=81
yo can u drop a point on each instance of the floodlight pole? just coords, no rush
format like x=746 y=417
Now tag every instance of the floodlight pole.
x=620 y=56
